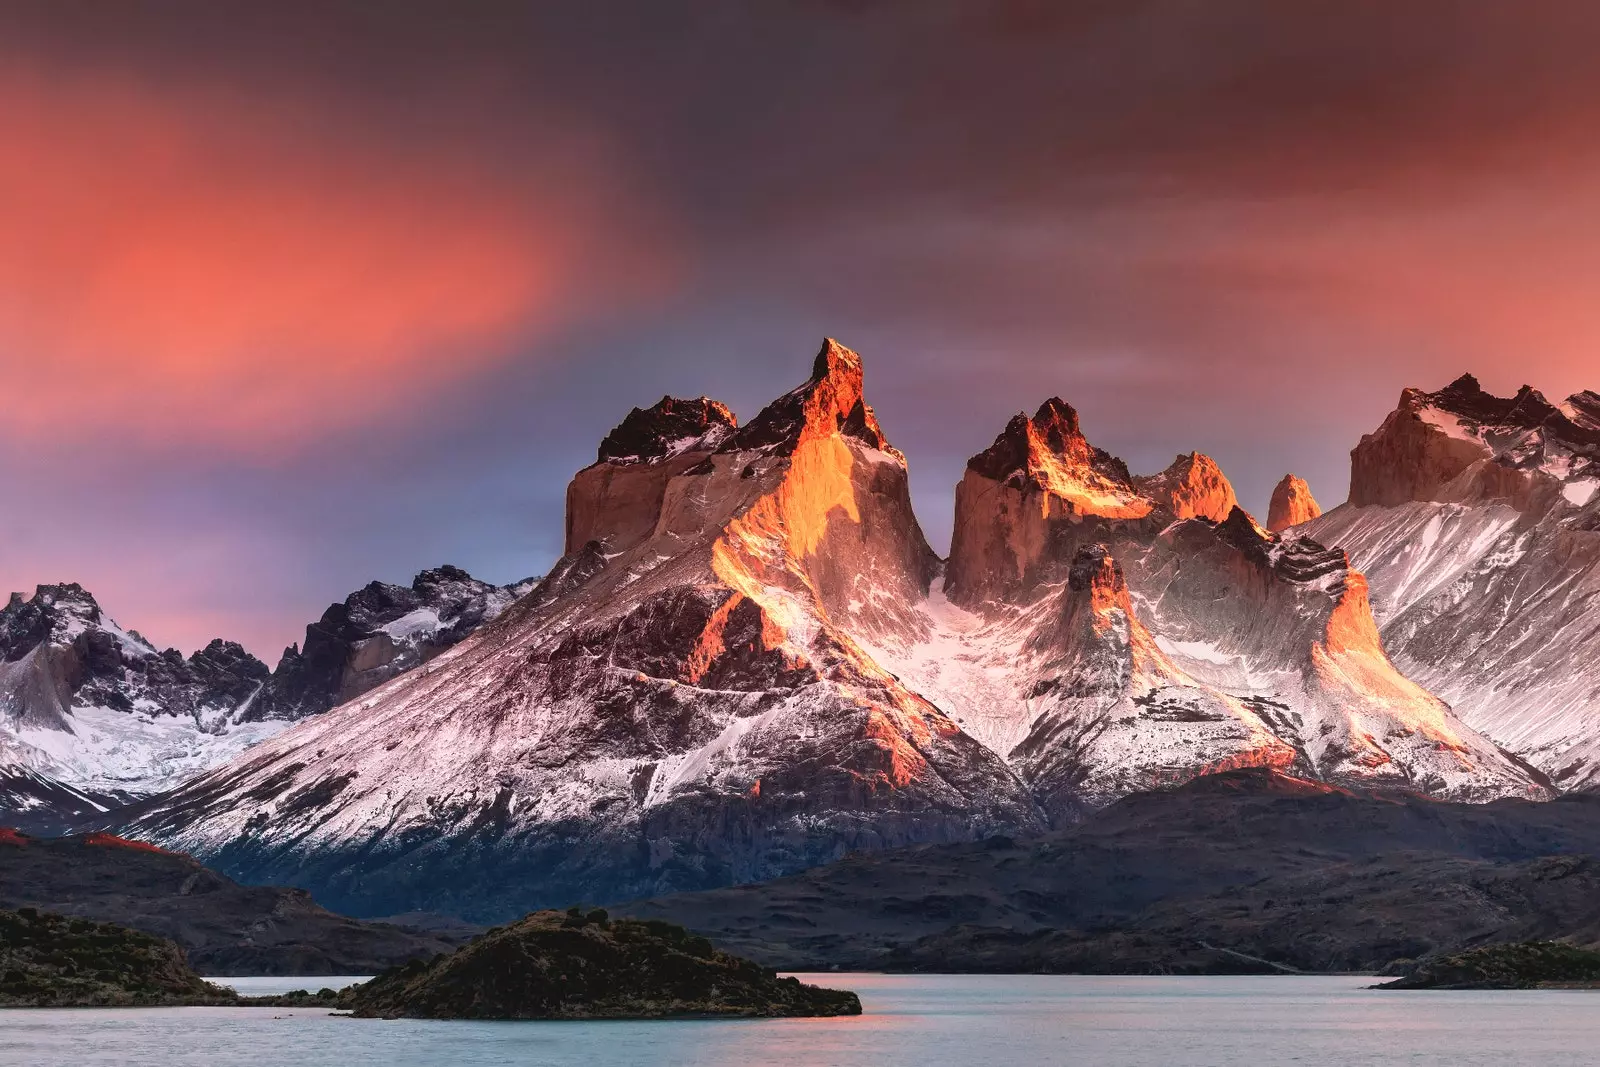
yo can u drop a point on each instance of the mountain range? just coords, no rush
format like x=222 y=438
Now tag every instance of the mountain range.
x=92 y=716
x=749 y=661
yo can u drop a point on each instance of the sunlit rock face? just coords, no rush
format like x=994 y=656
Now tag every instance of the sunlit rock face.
x=1028 y=501
x=1463 y=445
x=685 y=701
x=1193 y=487
x=1291 y=504
x=1477 y=519
x=617 y=501
x=749 y=662
x=1111 y=633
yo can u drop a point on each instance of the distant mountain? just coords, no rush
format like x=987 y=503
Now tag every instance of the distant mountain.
x=748 y=662
x=1477 y=518
x=378 y=632
x=92 y=716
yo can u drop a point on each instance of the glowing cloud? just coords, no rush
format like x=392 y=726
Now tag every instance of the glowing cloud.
x=176 y=269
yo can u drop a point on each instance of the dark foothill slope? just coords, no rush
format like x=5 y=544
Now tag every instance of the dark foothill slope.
x=224 y=927
x=1245 y=870
x=553 y=965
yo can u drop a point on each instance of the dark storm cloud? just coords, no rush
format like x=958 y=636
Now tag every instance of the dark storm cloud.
x=1237 y=227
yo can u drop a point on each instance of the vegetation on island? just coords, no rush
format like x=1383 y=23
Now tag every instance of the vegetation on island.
x=548 y=965
x=576 y=965
x=1525 y=965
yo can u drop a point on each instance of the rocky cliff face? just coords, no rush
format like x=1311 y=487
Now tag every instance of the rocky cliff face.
x=617 y=501
x=748 y=662
x=1291 y=505
x=1478 y=520
x=683 y=702
x=1463 y=445
x=1107 y=644
x=1193 y=487
x=1028 y=501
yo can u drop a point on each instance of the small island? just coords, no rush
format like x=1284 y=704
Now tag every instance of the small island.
x=549 y=965
x=572 y=965
x=1526 y=965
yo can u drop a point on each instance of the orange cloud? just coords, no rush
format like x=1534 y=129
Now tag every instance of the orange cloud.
x=179 y=269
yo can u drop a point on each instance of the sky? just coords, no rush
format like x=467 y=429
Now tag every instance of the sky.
x=298 y=296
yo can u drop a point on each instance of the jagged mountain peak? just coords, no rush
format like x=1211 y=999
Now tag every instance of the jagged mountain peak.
x=667 y=428
x=1462 y=444
x=686 y=700
x=1292 y=504
x=1192 y=486
x=831 y=401
x=1050 y=452
x=377 y=632
x=59 y=613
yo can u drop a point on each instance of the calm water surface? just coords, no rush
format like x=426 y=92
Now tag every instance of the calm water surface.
x=928 y=1021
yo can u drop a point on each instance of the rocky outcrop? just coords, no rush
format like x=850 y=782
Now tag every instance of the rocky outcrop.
x=1477 y=519
x=1193 y=487
x=1524 y=965
x=1291 y=505
x=1464 y=445
x=694 y=709
x=1106 y=654
x=554 y=965
x=1028 y=501
x=377 y=633
x=48 y=961
x=617 y=501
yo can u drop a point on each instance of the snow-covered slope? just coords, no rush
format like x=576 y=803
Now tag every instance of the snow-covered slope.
x=682 y=702
x=748 y=662
x=92 y=716
x=1106 y=642
x=1478 y=521
x=94 y=709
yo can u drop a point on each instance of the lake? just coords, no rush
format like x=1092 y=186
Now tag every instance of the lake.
x=926 y=1020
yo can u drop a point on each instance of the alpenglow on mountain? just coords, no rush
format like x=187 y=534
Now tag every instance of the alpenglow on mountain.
x=749 y=661
x=1478 y=519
